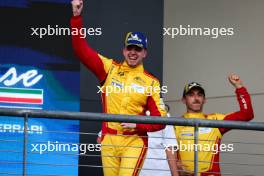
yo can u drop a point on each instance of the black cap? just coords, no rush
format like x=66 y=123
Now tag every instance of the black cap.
x=192 y=85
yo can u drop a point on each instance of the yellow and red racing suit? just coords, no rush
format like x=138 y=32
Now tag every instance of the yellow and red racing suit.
x=209 y=138
x=123 y=151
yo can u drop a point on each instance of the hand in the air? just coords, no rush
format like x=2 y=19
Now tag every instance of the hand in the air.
x=235 y=81
x=77 y=6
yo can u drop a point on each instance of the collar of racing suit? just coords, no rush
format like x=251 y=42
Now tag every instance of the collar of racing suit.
x=126 y=67
x=195 y=115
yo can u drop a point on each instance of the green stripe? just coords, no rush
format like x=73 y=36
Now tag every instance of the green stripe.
x=17 y=90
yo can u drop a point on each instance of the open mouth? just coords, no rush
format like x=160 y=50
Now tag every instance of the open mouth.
x=132 y=58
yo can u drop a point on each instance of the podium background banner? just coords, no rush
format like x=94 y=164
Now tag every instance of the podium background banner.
x=37 y=74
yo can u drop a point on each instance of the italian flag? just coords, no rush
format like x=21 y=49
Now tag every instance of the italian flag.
x=21 y=95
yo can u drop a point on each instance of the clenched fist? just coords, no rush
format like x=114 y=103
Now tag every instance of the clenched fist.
x=77 y=6
x=235 y=81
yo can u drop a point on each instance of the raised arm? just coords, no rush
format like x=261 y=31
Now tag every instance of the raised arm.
x=246 y=111
x=95 y=62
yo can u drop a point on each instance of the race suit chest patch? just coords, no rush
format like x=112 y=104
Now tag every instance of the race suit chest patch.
x=138 y=88
x=117 y=83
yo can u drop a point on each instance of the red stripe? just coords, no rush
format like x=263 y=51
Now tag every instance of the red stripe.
x=103 y=102
x=21 y=100
x=214 y=167
x=150 y=75
x=140 y=161
x=104 y=124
